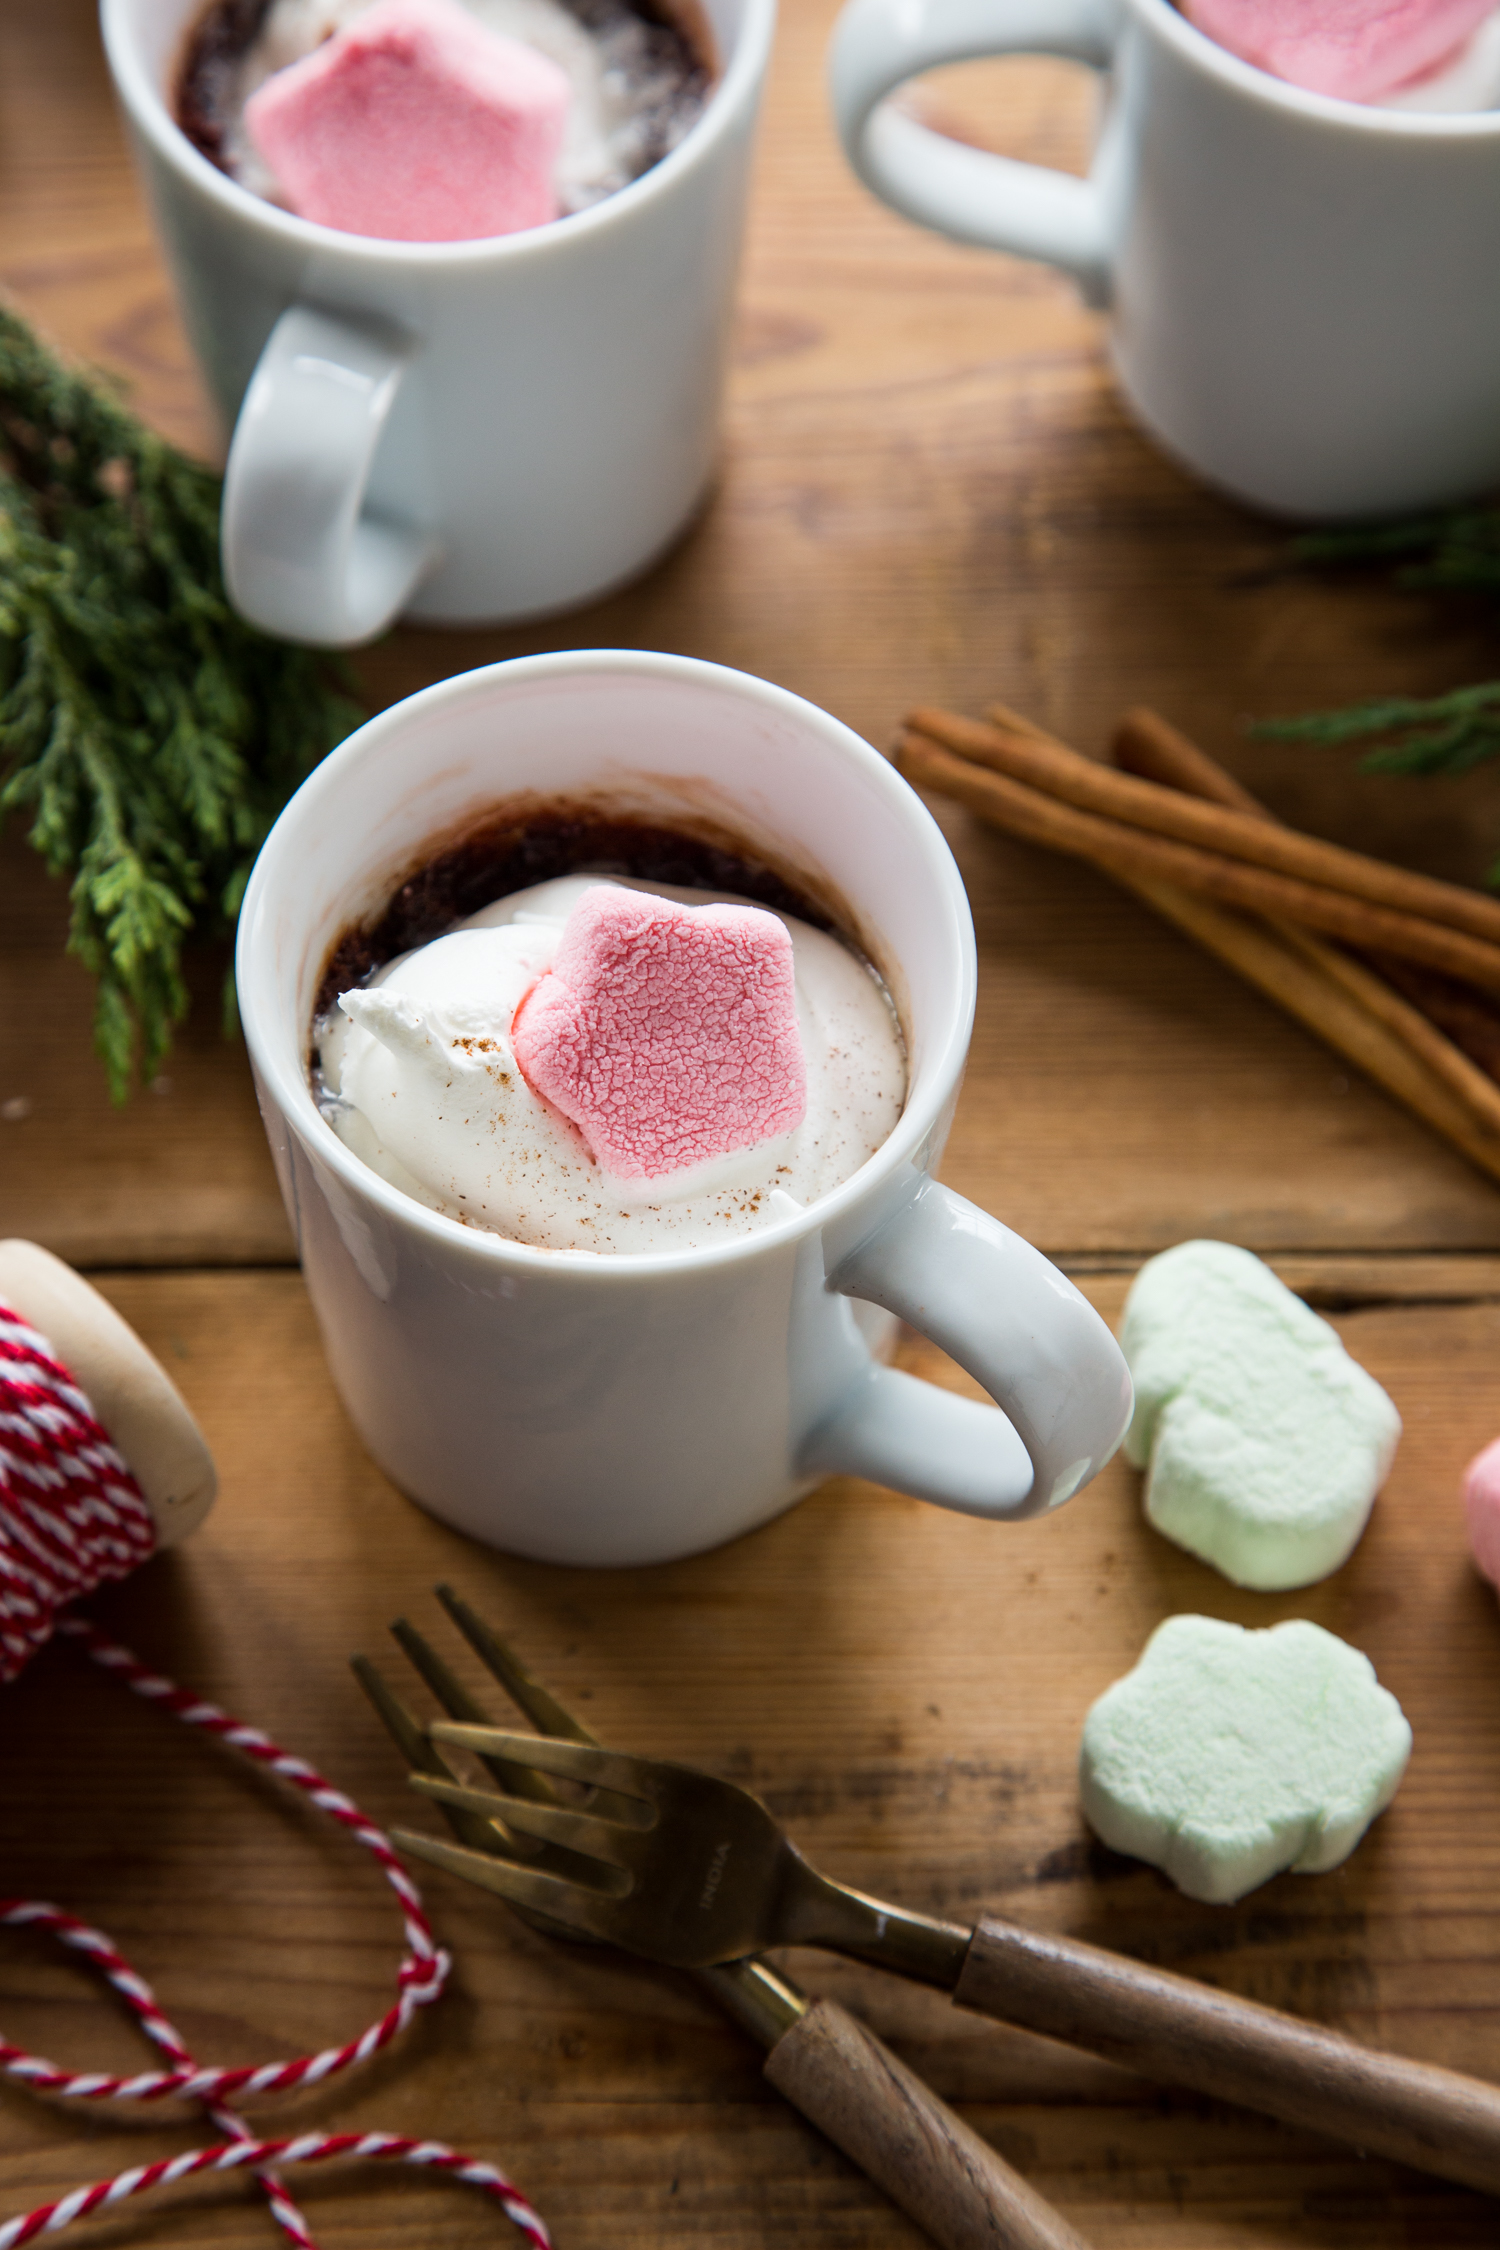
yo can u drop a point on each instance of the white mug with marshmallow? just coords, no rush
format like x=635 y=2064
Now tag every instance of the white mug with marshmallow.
x=454 y=432
x=633 y=1407
x=1302 y=290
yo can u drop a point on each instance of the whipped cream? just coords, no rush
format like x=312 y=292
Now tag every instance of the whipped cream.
x=629 y=105
x=419 y=1080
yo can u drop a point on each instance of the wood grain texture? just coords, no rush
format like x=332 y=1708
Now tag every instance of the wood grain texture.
x=904 y=1688
x=936 y=2168
x=1187 y=2033
x=182 y=1174
x=928 y=494
x=1350 y=1010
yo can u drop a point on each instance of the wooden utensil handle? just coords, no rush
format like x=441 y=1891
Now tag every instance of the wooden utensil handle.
x=880 y=2114
x=1172 y=2028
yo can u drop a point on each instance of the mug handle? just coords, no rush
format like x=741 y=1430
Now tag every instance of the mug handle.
x=1017 y=1325
x=302 y=557
x=968 y=193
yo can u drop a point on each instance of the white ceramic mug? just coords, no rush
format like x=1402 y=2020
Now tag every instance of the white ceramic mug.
x=589 y=1408
x=1303 y=291
x=459 y=432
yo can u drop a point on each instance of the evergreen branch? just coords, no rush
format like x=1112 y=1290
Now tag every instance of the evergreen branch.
x=1367 y=543
x=148 y=734
x=1457 y=550
x=1437 y=734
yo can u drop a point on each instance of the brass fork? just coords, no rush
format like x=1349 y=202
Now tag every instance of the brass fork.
x=825 y=2062
x=673 y=1864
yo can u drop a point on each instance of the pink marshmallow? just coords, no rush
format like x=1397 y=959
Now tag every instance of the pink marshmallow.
x=1482 y=1508
x=1357 y=49
x=416 y=124
x=668 y=1034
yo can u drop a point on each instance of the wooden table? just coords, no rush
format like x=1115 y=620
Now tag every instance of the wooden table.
x=928 y=493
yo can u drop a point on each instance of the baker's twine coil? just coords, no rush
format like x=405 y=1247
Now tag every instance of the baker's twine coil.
x=71 y=1513
x=71 y=1517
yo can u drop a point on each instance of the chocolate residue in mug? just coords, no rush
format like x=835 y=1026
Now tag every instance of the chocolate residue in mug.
x=535 y=841
x=206 y=75
x=671 y=54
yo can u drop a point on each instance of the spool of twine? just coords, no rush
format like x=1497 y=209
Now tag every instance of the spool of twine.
x=101 y=1463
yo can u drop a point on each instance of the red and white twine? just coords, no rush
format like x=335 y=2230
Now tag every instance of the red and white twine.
x=71 y=1513
x=71 y=1517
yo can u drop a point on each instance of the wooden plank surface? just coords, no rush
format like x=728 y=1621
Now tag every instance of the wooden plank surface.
x=928 y=494
x=905 y=1689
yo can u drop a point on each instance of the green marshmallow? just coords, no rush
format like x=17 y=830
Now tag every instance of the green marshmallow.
x=1264 y=1443
x=1228 y=1755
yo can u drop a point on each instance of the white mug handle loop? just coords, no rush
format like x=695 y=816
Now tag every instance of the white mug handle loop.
x=969 y=194
x=1061 y=1388
x=303 y=557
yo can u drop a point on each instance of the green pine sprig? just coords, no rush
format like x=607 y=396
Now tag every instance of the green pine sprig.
x=148 y=735
x=1456 y=551
x=1433 y=734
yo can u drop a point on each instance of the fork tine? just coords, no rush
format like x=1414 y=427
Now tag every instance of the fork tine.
x=516 y=1780
x=583 y=1913
x=525 y=1690
x=546 y=1714
x=594 y=1840
x=476 y=1827
x=401 y=1723
x=575 y=1761
x=476 y=1816
x=484 y=1834
x=444 y=1683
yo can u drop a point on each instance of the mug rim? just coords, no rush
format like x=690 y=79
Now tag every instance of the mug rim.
x=1250 y=79
x=288 y=1087
x=151 y=114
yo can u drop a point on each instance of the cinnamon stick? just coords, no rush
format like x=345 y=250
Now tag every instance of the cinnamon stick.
x=1226 y=830
x=1331 y=992
x=1123 y=847
x=1268 y=958
x=1146 y=744
x=1452 y=1026
x=1348 y=1003
x=1467 y=1018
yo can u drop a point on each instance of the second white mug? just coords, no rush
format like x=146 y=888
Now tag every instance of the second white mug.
x=1302 y=291
x=457 y=432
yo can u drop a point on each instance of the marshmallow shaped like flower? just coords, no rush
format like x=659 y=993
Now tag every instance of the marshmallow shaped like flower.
x=417 y=124
x=1264 y=1443
x=668 y=1034
x=1356 y=49
x=1228 y=1755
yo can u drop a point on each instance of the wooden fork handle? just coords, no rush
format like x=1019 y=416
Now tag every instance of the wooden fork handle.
x=880 y=2114
x=1171 y=2028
